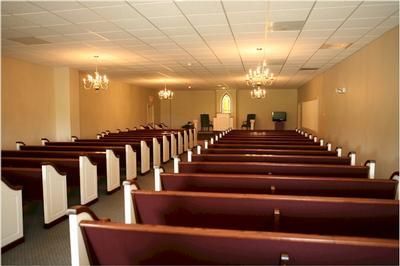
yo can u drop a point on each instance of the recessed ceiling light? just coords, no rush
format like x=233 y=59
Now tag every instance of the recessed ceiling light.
x=29 y=40
x=308 y=68
x=189 y=64
x=335 y=45
x=286 y=25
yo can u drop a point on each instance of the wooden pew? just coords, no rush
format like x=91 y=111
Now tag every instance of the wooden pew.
x=280 y=185
x=12 y=227
x=160 y=244
x=43 y=183
x=153 y=142
x=274 y=147
x=268 y=142
x=271 y=158
x=289 y=214
x=267 y=151
x=182 y=136
x=278 y=169
x=165 y=138
x=81 y=172
x=127 y=156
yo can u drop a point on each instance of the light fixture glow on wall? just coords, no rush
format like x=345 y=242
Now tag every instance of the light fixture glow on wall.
x=341 y=90
x=96 y=82
x=165 y=94
x=258 y=93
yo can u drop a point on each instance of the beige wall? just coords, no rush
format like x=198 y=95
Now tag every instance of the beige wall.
x=187 y=106
x=27 y=102
x=366 y=118
x=120 y=106
x=276 y=100
x=40 y=101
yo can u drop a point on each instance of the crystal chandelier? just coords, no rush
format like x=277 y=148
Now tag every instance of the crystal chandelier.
x=98 y=82
x=258 y=93
x=166 y=94
x=260 y=76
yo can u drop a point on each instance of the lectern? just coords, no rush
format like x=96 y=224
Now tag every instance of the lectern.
x=279 y=119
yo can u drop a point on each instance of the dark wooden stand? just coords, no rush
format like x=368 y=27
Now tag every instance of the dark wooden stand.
x=279 y=125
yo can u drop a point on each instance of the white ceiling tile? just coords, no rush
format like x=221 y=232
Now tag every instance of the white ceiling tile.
x=288 y=15
x=58 y=5
x=123 y=11
x=158 y=9
x=44 y=19
x=12 y=34
x=389 y=23
x=99 y=26
x=210 y=19
x=238 y=28
x=80 y=16
x=322 y=24
x=239 y=6
x=116 y=35
x=179 y=31
x=84 y=37
x=362 y=23
x=200 y=7
x=286 y=5
x=37 y=31
x=336 y=3
x=101 y=3
x=213 y=29
x=316 y=33
x=133 y=24
x=145 y=33
x=331 y=13
x=67 y=29
x=354 y=32
x=16 y=7
x=11 y=21
x=170 y=22
x=247 y=17
x=374 y=11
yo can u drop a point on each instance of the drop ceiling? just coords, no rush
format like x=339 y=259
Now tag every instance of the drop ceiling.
x=197 y=43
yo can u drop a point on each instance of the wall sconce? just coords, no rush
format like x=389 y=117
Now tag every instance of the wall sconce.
x=341 y=90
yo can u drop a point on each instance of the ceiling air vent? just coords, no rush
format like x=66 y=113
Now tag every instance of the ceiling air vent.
x=29 y=40
x=335 y=45
x=308 y=68
x=286 y=25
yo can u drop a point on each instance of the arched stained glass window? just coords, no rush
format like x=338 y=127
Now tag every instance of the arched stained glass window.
x=226 y=104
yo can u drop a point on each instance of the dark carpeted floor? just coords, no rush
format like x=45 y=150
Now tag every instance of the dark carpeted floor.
x=51 y=246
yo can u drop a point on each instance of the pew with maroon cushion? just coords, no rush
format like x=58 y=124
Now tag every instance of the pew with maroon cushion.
x=130 y=150
x=184 y=139
x=98 y=157
x=277 y=169
x=81 y=172
x=267 y=142
x=101 y=242
x=12 y=229
x=43 y=183
x=169 y=143
x=294 y=214
x=271 y=146
x=268 y=151
x=127 y=155
x=270 y=158
x=152 y=142
x=280 y=185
